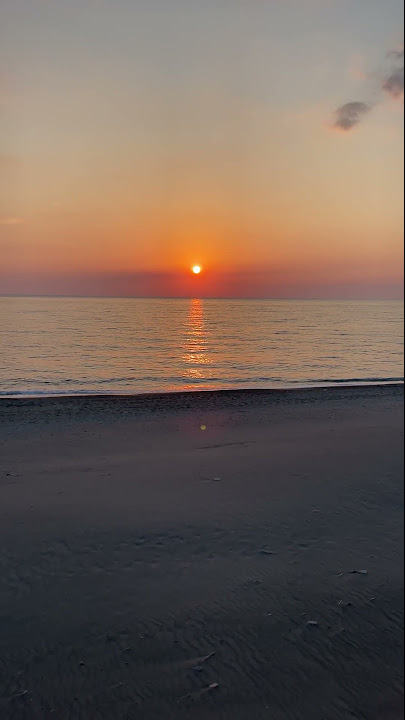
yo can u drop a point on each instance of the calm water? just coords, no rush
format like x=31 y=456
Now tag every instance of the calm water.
x=81 y=345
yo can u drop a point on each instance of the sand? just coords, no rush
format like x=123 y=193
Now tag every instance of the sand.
x=139 y=535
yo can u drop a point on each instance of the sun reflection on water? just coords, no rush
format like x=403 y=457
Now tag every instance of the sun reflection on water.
x=195 y=347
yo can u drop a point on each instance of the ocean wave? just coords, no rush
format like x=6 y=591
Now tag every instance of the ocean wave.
x=179 y=385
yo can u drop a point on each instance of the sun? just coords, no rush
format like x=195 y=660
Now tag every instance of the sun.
x=196 y=269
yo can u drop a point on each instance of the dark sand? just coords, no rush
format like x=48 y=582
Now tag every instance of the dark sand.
x=133 y=543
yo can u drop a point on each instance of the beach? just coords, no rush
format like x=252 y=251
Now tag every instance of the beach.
x=228 y=555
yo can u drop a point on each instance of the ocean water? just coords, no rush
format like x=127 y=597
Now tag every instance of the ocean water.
x=71 y=346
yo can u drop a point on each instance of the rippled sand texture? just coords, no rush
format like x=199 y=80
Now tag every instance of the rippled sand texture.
x=153 y=569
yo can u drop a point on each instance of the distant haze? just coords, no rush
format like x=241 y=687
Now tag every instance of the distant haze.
x=236 y=285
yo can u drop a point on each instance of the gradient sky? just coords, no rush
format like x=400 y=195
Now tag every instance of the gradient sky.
x=141 y=136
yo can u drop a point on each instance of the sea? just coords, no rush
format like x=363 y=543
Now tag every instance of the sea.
x=82 y=346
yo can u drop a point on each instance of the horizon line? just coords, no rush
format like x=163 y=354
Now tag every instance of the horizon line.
x=201 y=297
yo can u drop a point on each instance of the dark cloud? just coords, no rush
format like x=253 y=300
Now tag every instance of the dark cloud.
x=349 y=115
x=390 y=83
x=396 y=54
x=394 y=83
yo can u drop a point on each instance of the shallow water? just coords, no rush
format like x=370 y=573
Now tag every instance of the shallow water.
x=113 y=345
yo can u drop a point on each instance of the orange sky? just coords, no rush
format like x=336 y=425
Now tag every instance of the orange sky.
x=144 y=140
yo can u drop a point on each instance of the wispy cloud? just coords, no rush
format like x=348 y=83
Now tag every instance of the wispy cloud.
x=390 y=83
x=394 y=83
x=396 y=54
x=350 y=114
x=11 y=221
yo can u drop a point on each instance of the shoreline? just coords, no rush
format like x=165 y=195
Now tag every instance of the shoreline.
x=354 y=383
x=105 y=407
x=162 y=394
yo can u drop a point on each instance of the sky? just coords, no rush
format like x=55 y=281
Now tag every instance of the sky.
x=260 y=139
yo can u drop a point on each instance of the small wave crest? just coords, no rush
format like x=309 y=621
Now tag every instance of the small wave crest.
x=178 y=384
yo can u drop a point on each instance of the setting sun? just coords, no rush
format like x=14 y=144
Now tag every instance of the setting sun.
x=196 y=269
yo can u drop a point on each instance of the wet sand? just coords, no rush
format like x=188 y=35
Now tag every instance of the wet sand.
x=140 y=535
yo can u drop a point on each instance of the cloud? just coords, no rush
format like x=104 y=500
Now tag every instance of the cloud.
x=390 y=83
x=394 y=83
x=396 y=54
x=349 y=115
x=11 y=221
